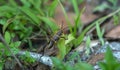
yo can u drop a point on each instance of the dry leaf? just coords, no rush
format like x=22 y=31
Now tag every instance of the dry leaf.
x=114 y=33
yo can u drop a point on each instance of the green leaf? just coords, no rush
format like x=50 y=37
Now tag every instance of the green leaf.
x=98 y=30
x=101 y=7
x=116 y=19
x=7 y=37
x=30 y=14
x=62 y=48
x=2 y=46
x=109 y=56
x=100 y=33
x=88 y=41
x=26 y=3
x=1 y=65
x=7 y=24
x=102 y=65
x=77 y=23
x=13 y=3
x=75 y=6
x=80 y=38
x=2 y=21
x=83 y=66
x=58 y=64
x=50 y=23
x=110 y=62
x=70 y=38
x=52 y=7
x=16 y=44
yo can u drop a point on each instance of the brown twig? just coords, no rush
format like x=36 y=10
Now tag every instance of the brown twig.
x=8 y=47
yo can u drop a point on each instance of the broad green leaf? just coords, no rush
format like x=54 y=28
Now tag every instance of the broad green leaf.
x=109 y=56
x=2 y=46
x=15 y=44
x=7 y=37
x=62 y=48
x=70 y=38
x=2 y=21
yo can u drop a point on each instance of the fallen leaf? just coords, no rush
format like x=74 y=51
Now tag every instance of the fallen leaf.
x=114 y=33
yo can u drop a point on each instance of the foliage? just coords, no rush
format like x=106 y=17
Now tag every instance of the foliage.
x=13 y=46
x=116 y=19
x=65 y=46
x=19 y=18
x=59 y=65
x=110 y=62
x=22 y=19
x=88 y=41
x=27 y=58
x=75 y=5
x=100 y=33
x=111 y=4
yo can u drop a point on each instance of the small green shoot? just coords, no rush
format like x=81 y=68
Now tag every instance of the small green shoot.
x=100 y=33
x=88 y=41
x=78 y=23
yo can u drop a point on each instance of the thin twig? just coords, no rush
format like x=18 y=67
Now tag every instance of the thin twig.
x=8 y=47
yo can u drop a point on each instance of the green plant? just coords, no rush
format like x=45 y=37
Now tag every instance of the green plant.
x=27 y=58
x=100 y=33
x=114 y=4
x=116 y=19
x=13 y=47
x=110 y=62
x=20 y=22
x=60 y=65
x=75 y=5
x=23 y=19
x=80 y=38
x=111 y=4
x=88 y=41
